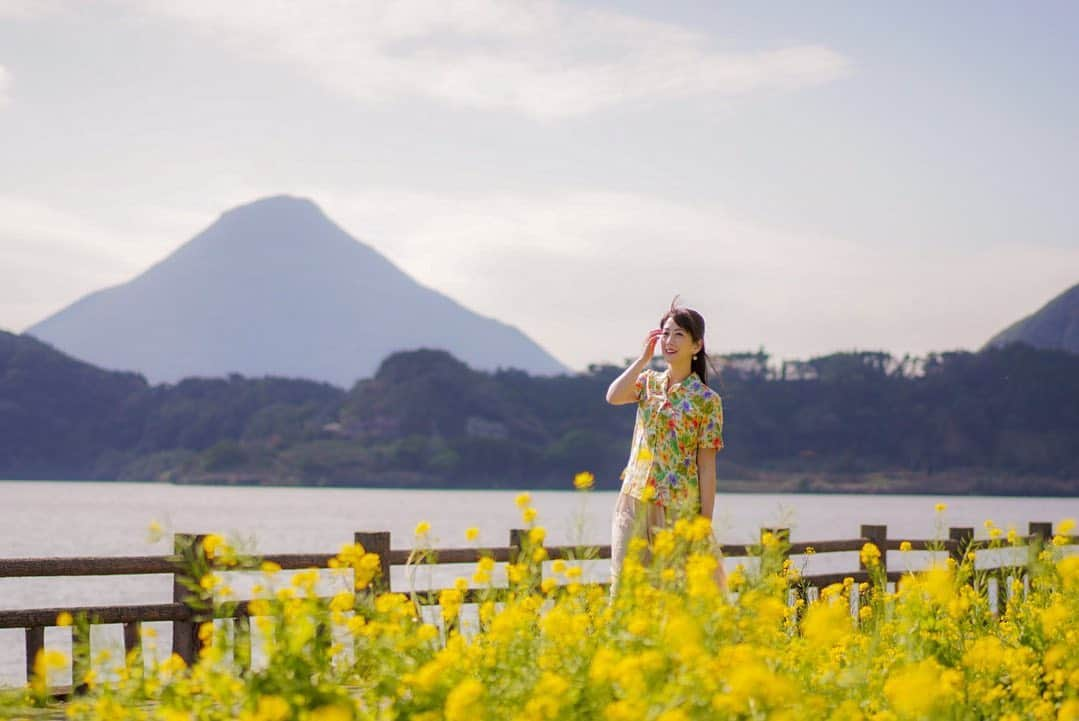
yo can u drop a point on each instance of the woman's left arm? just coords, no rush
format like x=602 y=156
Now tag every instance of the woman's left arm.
x=706 y=480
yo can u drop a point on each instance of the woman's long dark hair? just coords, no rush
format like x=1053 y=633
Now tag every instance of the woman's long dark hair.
x=692 y=322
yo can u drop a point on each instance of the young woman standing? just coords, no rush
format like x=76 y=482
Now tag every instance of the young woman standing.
x=679 y=429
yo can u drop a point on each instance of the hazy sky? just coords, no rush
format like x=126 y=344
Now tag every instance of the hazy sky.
x=812 y=176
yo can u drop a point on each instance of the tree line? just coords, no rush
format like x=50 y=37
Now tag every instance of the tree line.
x=1007 y=416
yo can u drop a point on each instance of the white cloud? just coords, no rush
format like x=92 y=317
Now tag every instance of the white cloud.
x=30 y=9
x=541 y=58
x=585 y=274
x=50 y=257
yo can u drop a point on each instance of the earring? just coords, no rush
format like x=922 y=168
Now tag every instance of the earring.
x=694 y=357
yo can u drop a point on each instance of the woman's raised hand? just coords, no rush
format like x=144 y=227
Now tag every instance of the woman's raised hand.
x=623 y=389
x=650 y=344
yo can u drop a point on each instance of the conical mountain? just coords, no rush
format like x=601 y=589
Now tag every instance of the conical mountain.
x=1055 y=325
x=276 y=288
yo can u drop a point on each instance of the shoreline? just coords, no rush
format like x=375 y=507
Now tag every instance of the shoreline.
x=962 y=483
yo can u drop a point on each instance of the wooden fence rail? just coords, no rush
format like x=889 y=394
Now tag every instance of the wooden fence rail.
x=185 y=637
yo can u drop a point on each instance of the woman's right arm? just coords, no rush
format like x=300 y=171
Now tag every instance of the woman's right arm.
x=623 y=389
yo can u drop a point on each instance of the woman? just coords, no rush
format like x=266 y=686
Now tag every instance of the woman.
x=679 y=428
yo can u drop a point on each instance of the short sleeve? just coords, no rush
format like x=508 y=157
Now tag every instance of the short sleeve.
x=642 y=384
x=711 y=428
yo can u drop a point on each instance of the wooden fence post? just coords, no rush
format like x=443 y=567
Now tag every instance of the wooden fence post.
x=185 y=634
x=878 y=536
x=517 y=536
x=962 y=538
x=132 y=636
x=35 y=644
x=242 y=643
x=377 y=542
x=80 y=657
x=1042 y=531
x=517 y=543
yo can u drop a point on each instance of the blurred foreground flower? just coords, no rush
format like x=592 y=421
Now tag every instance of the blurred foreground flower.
x=583 y=480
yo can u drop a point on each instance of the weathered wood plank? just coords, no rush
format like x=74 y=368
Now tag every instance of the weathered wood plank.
x=83 y=566
x=28 y=618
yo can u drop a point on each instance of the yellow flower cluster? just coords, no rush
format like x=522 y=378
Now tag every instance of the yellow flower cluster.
x=670 y=646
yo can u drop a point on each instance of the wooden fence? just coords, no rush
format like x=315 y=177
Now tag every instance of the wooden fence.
x=185 y=621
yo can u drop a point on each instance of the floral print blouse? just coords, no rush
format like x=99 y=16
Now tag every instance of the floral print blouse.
x=670 y=428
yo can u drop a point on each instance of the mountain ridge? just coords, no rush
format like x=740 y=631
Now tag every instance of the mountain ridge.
x=1054 y=326
x=275 y=287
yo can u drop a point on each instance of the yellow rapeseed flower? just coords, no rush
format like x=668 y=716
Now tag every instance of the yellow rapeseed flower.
x=583 y=481
x=53 y=660
x=173 y=664
x=343 y=601
x=663 y=544
x=940 y=507
x=919 y=690
x=826 y=623
x=369 y=568
x=211 y=543
x=64 y=619
x=331 y=712
x=464 y=702
x=423 y=528
x=272 y=708
x=305 y=580
x=523 y=500
x=1069 y=710
x=673 y=714
x=870 y=555
x=472 y=533
x=905 y=546
x=516 y=572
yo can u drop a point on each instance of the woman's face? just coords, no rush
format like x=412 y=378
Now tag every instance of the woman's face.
x=677 y=343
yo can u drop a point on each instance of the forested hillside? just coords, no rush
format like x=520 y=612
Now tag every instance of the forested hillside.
x=1001 y=420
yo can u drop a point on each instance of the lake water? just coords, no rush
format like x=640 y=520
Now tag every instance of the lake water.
x=45 y=519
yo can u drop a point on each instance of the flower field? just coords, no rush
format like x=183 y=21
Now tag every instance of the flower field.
x=670 y=647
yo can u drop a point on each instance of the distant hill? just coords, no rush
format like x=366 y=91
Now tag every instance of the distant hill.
x=999 y=421
x=57 y=414
x=1055 y=326
x=276 y=288
x=61 y=418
